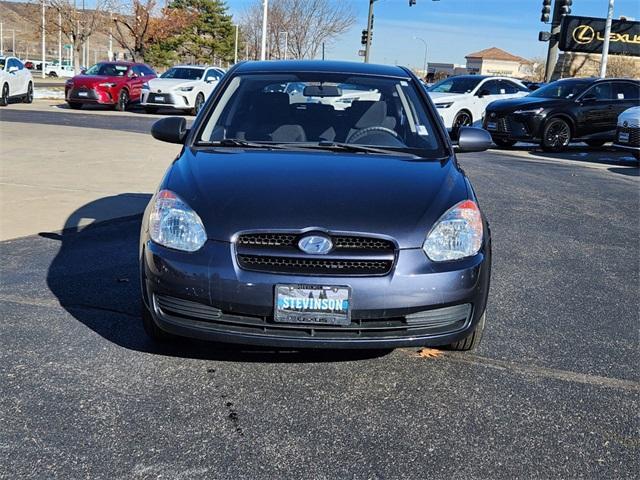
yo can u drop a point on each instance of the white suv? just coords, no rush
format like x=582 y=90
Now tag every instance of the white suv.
x=462 y=100
x=15 y=81
x=184 y=87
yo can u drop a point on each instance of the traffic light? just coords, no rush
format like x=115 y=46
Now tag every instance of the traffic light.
x=546 y=11
x=365 y=37
x=544 y=36
x=565 y=7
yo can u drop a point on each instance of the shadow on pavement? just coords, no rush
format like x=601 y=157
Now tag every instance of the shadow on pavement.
x=95 y=278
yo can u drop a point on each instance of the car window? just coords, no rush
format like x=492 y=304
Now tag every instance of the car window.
x=388 y=112
x=11 y=63
x=455 y=85
x=212 y=73
x=147 y=71
x=18 y=64
x=183 y=73
x=626 y=91
x=491 y=86
x=568 y=89
x=108 y=70
x=511 y=87
x=602 y=91
x=3 y=62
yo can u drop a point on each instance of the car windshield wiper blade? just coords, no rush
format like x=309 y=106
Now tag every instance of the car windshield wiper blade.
x=351 y=147
x=236 y=142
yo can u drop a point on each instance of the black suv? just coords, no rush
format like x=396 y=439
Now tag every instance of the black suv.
x=576 y=109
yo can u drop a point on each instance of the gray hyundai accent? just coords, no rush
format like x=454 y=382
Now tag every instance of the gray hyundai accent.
x=316 y=204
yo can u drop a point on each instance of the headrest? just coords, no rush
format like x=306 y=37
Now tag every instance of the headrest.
x=368 y=113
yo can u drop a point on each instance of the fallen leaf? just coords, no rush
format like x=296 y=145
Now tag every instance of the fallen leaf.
x=429 y=353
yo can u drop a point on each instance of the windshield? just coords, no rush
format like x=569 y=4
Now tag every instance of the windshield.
x=184 y=73
x=562 y=89
x=108 y=70
x=324 y=108
x=455 y=85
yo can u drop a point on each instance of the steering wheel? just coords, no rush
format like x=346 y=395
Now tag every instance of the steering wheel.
x=366 y=131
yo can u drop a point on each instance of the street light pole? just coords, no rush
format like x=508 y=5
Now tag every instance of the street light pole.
x=605 y=44
x=43 y=42
x=286 y=43
x=1 y=39
x=263 y=50
x=60 y=38
x=367 y=47
x=424 y=69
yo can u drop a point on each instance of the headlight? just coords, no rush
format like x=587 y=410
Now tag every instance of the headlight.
x=185 y=89
x=457 y=234
x=107 y=84
x=535 y=111
x=444 y=105
x=174 y=224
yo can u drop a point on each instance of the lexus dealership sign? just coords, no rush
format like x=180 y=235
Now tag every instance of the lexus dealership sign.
x=586 y=34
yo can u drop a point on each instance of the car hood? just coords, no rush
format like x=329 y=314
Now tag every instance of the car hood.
x=92 y=80
x=512 y=104
x=166 y=84
x=295 y=190
x=631 y=116
x=442 y=97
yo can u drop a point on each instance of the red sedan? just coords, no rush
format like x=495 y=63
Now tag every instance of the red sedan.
x=108 y=83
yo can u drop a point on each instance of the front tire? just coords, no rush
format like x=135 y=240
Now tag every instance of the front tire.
x=197 y=106
x=52 y=75
x=471 y=341
x=28 y=98
x=462 y=119
x=556 y=135
x=123 y=100
x=4 y=97
x=504 y=143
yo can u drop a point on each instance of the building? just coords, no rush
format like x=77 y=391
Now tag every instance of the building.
x=495 y=61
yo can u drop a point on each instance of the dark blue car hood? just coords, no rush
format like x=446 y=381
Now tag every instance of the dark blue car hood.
x=258 y=189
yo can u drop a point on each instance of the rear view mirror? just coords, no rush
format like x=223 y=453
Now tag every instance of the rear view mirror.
x=170 y=129
x=473 y=139
x=321 y=91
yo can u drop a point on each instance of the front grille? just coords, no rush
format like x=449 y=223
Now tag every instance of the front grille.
x=199 y=315
x=315 y=266
x=503 y=125
x=350 y=255
x=634 y=136
x=87 y=94
x=166 y=98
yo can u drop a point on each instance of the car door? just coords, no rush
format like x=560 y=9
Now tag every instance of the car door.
x=135 y=81
x=595 y=110
x=24 y=77
x=13 y=76
x=487 y=92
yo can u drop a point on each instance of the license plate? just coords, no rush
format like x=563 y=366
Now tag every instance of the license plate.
x=83 y=94
x=492 y=126
x=159 y=98
x=313 y=304
x=623 y=137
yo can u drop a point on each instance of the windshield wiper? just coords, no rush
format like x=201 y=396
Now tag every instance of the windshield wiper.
x=351 y=147
x=236 y=142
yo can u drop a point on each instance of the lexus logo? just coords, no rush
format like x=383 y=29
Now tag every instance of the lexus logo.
x=625 y=124
x=315 y=244
x=583 y=34
x=493 y=115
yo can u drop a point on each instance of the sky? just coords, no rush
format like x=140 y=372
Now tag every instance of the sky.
x=452 y=28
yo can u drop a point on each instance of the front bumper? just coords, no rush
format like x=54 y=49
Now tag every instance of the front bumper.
x=177 y=100
x=513 y=127
x=207 y=295
x=631 y=139
x=100 y=95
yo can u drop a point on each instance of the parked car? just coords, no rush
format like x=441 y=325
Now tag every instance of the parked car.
x=185 y=87
x=29 y=65
x=62 y=71
x=461 y=100
x=116 y=84
x=291 y=223
x=565 y=111
x=15 y=81
x=628 y=131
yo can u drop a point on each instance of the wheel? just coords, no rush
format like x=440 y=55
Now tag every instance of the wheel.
x=462 y=119
x=472 y=341
x=595 y=143
x=151 y=109
x=52 y=75
x=75 y=105
x=503 y=142
x=123 y=100
x=198 y=105
x=152 y=330
x=556 y=135
x=4 y=98
x=28 y=98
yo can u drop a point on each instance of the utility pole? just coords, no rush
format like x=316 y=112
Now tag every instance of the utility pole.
x=367 y=47
x=1 y=38
x=110 y=53
x=425 y=54
x=44 y=52
x=60 y=38
x=605 y=44
x=235 y=53
x=560 y=9
x=286 y=43
x=263 y=49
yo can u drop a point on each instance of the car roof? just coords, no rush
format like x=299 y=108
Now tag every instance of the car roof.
x=191 y=66
x=331 y=66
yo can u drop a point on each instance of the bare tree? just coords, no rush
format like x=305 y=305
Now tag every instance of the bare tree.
x=307 y=23
x=79 y=24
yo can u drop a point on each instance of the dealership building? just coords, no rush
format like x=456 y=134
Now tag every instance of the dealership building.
x=495 y=61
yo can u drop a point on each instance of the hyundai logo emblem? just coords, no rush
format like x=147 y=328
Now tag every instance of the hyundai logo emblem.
x=315 y=244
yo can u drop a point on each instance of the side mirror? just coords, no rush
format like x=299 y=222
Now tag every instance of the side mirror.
x=472 y=139
x=83 y=71
x=484 y=92
x=13 y=69
x=170 y=129
x=210 y=79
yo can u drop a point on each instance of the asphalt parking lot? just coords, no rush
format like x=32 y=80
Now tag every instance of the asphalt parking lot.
x=553 y=391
